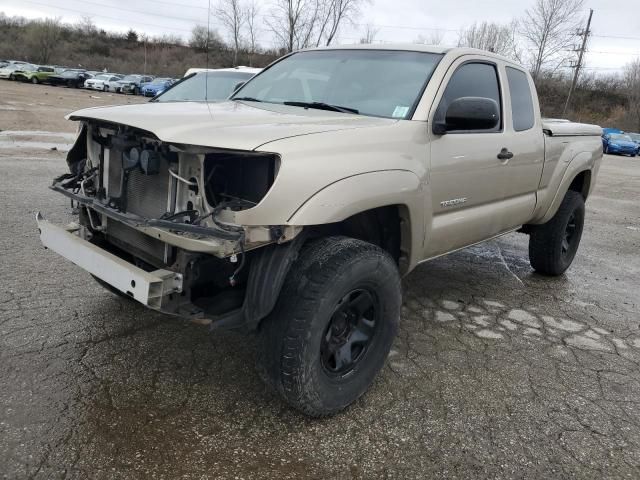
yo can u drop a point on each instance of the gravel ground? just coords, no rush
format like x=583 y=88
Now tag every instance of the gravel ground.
x=497 y=372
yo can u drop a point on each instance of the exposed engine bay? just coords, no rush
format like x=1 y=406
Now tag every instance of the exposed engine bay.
x=171 y=207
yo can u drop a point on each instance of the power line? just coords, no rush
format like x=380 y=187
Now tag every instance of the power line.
x=141 y=12
x=105 y=16
x=617 y=36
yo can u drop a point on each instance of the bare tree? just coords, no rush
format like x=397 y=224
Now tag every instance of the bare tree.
x=252 y=10
x=202 y=39
x=293 y=22
x=631 y=79
x=167 y=40
x=332 y=14
x=550 y=28
x=492 y=37
x=370 y=33
x=85 y=25
x=43 y=37
x=232 y=16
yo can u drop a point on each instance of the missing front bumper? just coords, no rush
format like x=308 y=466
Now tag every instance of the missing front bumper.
x=148 y=288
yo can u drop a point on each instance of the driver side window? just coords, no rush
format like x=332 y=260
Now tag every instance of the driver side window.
x=473 y=79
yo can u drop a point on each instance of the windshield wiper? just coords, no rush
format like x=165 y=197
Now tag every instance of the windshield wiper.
x=246 y=99
x=322 y=106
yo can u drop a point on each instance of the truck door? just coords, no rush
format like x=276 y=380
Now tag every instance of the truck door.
x=469 y=169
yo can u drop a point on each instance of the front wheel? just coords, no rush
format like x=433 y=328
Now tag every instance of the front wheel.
x=553 y=246
x=34 y=80
x=333 y=325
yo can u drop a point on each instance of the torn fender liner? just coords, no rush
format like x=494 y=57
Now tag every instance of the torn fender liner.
x=268 y=272
x=266 y=278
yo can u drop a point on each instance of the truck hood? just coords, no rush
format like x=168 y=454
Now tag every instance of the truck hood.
x=231 y=125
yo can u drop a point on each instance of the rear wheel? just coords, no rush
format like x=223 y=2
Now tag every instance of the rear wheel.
x=333 y=325
x=553 y=246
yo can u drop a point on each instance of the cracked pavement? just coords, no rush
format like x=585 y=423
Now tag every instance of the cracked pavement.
x=497 y=372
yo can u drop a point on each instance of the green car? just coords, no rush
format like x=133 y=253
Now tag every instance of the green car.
x=34 y=74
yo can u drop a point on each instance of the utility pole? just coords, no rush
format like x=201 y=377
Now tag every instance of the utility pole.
x=585 y=36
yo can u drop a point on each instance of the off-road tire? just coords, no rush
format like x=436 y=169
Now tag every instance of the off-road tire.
x=547 y=254
x=326 y=272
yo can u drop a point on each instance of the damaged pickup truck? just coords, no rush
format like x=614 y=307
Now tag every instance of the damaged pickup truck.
x=294 y=209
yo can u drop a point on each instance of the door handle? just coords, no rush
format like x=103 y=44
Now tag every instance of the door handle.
x=505 y=154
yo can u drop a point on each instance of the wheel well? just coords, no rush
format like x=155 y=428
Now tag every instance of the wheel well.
x=387 y=227
x=581 y=183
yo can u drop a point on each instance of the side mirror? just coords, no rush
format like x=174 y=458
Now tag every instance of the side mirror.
x=468 y=113
x=238 y=86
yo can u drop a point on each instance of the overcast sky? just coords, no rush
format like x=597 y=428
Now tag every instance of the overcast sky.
x=615 y=25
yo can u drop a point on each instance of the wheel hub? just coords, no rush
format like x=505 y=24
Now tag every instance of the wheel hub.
x=349 y=332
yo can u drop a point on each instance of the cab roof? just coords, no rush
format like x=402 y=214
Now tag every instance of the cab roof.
x=416 y=47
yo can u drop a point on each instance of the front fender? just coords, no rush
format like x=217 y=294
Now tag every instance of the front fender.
x=344 y=198
x=358 y=193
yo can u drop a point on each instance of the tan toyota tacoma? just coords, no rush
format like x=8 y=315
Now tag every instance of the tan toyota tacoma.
x=294 y=208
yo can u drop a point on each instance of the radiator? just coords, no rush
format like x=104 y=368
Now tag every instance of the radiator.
x=147 y=196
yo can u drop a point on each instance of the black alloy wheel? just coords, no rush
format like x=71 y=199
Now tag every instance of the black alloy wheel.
x=349 y=332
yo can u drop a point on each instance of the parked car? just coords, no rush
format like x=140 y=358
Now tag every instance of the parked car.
x=219 y=85
x=133 y=84
x=293 y=209
x=619 y=143
x=239 y=68
x=37 y=74
x=9 y=71
x=635 y=137
x=104 y=81
x=70 y=78
x=157 y=86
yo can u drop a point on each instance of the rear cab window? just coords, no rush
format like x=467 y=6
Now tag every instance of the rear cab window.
x=521 y=99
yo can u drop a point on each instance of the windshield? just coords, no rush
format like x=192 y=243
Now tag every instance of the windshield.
x=28 y=67
x=619 y=136
x=219 y=86
x=159 y=81
x=635 y=136
x=381 y=83
x=103 y=77
x=131 y=78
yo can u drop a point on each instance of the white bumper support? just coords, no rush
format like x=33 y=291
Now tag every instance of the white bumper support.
x=148 y=288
